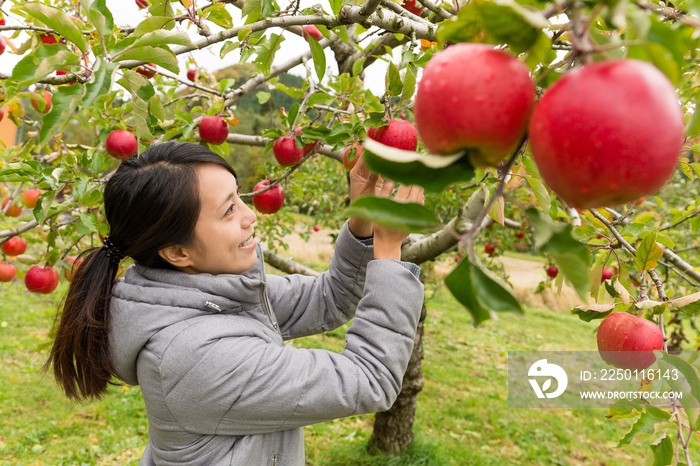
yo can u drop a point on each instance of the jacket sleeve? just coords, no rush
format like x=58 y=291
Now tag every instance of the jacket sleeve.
x=307 y=305
x=244 y=385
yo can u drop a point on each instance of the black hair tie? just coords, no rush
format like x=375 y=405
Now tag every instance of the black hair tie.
x=113 y=252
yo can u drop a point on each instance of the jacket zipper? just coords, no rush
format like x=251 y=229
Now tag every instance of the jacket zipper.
x=266 y=305
x=274 y=460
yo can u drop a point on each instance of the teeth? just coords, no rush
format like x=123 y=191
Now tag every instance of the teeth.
x=247 y=242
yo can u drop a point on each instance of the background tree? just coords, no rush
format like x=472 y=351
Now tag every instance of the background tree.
x=82 y=77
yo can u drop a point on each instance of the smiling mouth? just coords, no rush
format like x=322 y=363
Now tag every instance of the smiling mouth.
x=246 y=242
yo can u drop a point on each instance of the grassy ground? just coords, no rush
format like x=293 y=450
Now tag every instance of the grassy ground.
x=462 y=416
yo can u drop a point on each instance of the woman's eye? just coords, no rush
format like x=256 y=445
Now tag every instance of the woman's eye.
x=230 y=209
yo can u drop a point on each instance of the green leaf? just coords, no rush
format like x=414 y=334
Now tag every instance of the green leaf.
x=342 y=32
x=63 y=103
x=394 y=86
x=318 y=56
x=591 y=312
x=39 y=64
x=692 y=129
x=648 y=253
x=293 y=111
x=263 y=97
x=153 y=23
x=161 y=8
x=100 y=81
x=43 y=206
x=572 y=257
x=624 y=409
x=266 y=48
x=663 y=452
x=141 y=93
x=156 y=55
x=87 y=223
x=433 y=172
x=358 y=66
x=58 y=21
x=99 y=15
x=540 y=191
x=162 y=37
x=401 y=216
x=228 y=47
x=409 y=84
x=336 y=5
x=267 y=8
x=218 y=15
x=480 y=292
x=689 y=304
x=688 y=383
x=645 y=424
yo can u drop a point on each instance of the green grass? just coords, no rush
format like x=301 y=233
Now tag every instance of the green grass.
x=462 y=416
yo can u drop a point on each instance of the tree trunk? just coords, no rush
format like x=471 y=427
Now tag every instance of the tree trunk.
x=393 y=429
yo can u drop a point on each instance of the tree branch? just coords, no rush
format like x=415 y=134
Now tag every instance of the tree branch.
x=287 y=265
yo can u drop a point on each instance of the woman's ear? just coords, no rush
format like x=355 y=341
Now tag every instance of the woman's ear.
x=177 y=256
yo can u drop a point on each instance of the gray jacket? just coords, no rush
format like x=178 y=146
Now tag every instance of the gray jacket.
x=220 y=385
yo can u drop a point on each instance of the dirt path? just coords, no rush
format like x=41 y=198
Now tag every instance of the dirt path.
x=525 y=275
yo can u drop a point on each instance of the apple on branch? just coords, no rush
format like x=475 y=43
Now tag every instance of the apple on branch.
x=286 y=151
x=621 y=142
x=145 y=71
x=121 y=144
x=351 y=155
x=40 y=279
x=47 y=102
x=271 y=200
x=7 y=272
x=14 y=246
x=192 y=74
x=13 y=210
x=311 y=31
x=48 y=39
x=627 y=341
x=552 y=271
x=400 y=134
x=213 y=129
x=29 y=197
x=2 y=45
x=473 y=97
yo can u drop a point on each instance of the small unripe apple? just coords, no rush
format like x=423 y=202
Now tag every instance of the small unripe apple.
x=14 y=246
x=607 y=133
x=29 y=197
x=48 y=38
x=47 y=102
x=14 y=210
x=192 y=74
x=75 y=263
x=142 y=4
x=146 y=72
x=552 y=271
x=2 y=45
x=400 y=134
x=410 y=5
x=607 y=274
x=271 y=200
x=41 y=279
x=7 y=272
x=489 y=248
x=347 y=162
x=311 y=31
x=476 y=98
x=213 y=129
x=627 y=341
x=520 y=234
x=286 y=151
x=121 y=144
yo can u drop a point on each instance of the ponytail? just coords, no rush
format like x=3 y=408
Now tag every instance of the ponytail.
x=80 y=350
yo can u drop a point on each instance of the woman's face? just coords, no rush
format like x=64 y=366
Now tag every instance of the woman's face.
x=224 y=241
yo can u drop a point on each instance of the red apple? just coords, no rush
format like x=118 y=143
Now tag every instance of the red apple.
x=14 y=246
x=476 y=98
x=410 y=5
x=627 y=341
x=400 y=134
x=317 y=228
x=69 y=272
x=47 y=102
x=520 y=234
x=607 y=133
x=7 y=272
x=2 y=45
x=489 y=248
x=286 y=151
x=121 y=144
x=347 y=163
x=48 y=38
x=142 y=4
x=2 y=21
x=29 y=197
x=41 y=279
x=213 y=129
x=192 y=74
x=2 y=113
x=607 y=274
x=311 y=31
x=146 y=72
x=271 y=200
x=552 y=271
x=13 y=210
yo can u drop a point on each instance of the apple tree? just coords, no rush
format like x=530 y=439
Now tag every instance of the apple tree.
x=571 y=125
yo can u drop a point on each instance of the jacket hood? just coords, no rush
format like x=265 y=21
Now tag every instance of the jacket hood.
x=147 y=300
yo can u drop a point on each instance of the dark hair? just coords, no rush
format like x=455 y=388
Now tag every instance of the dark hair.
x=151 y=202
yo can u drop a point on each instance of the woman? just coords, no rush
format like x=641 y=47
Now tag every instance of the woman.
x=200 y=327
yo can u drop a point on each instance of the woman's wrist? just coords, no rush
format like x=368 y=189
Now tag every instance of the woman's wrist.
x=387 y=251
x=360 y=228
